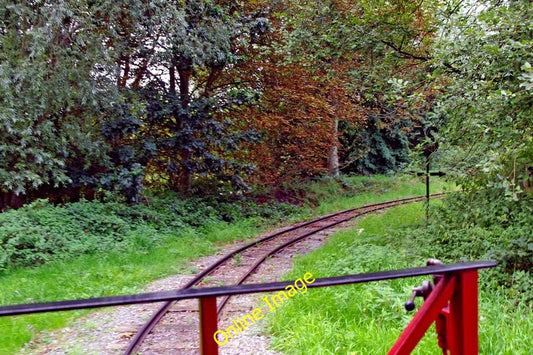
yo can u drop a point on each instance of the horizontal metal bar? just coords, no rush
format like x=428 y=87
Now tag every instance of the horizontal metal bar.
x=236 y=290
x=423 y=173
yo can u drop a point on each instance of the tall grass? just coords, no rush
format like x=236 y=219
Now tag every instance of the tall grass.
x=368 y=318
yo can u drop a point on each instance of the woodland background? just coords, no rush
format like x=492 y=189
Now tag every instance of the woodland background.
x=204 y=96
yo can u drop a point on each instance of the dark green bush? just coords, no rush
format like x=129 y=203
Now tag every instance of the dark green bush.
x=380 y=148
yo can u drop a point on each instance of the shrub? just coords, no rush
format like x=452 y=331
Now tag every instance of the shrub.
x=485 y=225
x=42 y=232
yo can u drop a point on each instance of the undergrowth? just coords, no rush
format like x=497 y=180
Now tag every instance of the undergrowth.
x=485 y=225
x=41 y=232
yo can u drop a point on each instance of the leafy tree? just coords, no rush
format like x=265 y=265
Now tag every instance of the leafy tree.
x=485 y=51
x=300 y=102
x=51 y=95
x=93 y=92
x=178 y=72
x=295 y=122
x=379 y=52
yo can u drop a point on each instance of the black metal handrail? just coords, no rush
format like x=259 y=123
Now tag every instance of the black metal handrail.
x=235 y=290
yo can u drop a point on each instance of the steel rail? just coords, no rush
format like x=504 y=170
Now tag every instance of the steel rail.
x=160 y=313
x=297 y=239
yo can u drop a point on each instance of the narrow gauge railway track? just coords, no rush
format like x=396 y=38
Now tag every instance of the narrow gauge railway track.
x=248 y=258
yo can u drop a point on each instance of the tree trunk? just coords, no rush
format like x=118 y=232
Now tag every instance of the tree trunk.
x=333 y=157
x=184 y=180
x=10 y=199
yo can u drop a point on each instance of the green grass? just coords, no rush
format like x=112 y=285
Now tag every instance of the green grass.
x=156 y=243
x=363 y=190
x=368 y=318
x=98 y=275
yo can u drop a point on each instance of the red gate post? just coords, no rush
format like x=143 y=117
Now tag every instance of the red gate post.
x=426 y=315
x=208 y=325
x=453 y=305
x=464 y=315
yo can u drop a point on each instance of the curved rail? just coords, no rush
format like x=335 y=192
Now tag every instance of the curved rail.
x=160 y=313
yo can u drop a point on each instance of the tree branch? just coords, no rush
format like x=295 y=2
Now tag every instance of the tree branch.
x=404 y=53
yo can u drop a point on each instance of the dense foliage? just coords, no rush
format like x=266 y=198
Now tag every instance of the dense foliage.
x=188 y=101
x=172 y=95
x=115 y=96
x=93 y=94
x=380 y=148
x=41 y=232
x=486 y=226
x=50 y=94
x=485 y=52
x=359 y=55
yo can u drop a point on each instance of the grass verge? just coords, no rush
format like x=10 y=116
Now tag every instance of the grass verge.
x=368 y=318
x=336 y=195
